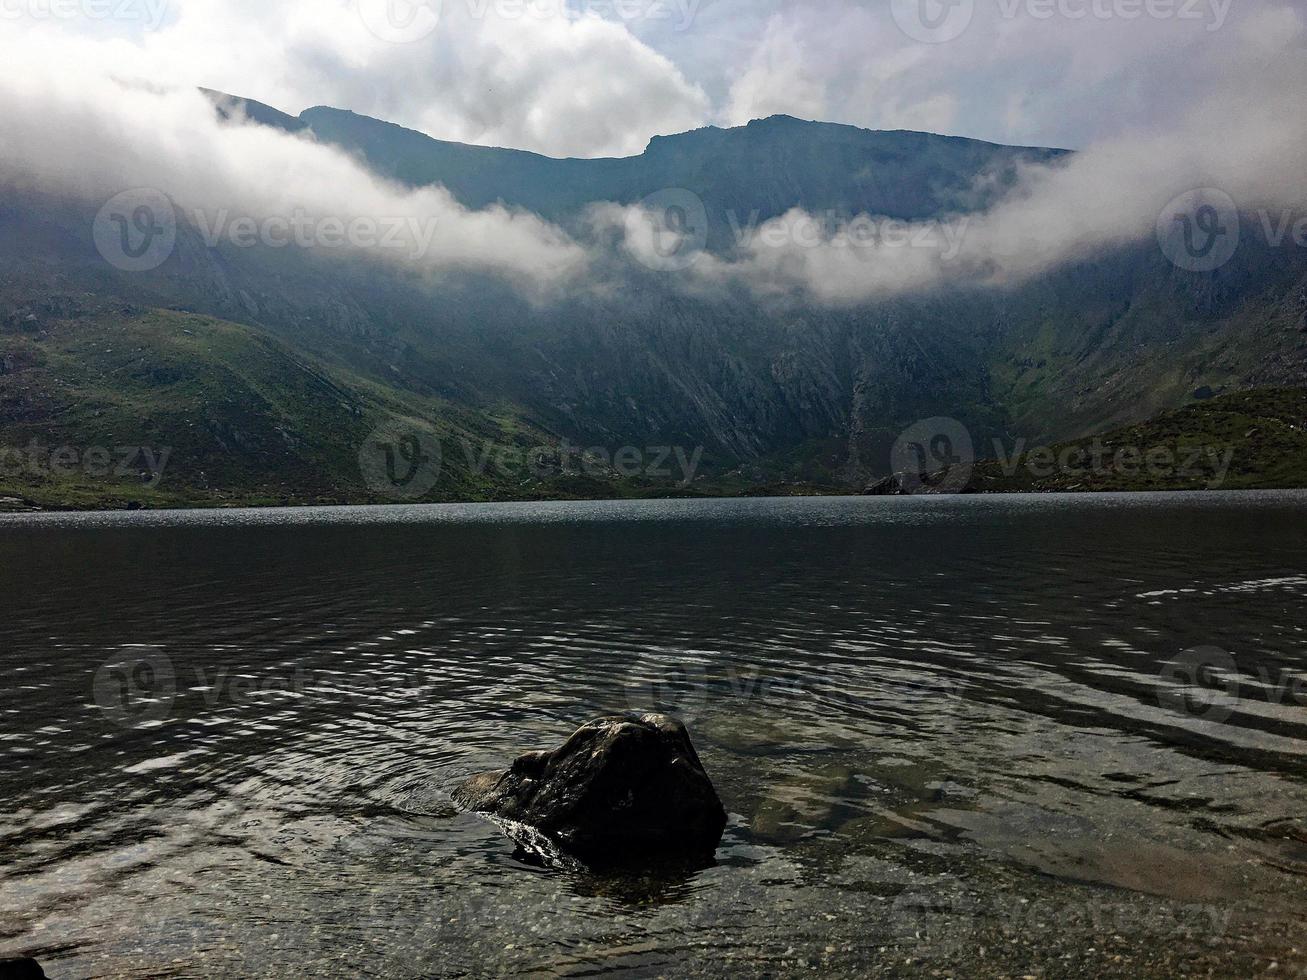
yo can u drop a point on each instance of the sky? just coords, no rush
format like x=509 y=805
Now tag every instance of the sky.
x=601 y=77
x=1184 y=115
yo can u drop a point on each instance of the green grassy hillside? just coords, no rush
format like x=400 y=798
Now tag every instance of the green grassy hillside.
x=1248 y=440
x=127 y=407
x=284 y=362
x=130 y=407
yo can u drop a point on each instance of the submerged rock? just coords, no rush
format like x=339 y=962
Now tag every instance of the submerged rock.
x=621 y=791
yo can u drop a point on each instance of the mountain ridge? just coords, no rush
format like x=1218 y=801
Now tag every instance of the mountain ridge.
x=266 y=114
x=780 y=393
x=762 y=166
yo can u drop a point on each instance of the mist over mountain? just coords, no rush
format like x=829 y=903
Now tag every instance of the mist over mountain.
x=531 y=311
x=759 y=171
x=880 y=425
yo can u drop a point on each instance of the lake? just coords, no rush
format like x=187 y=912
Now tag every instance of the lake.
x=953 y=734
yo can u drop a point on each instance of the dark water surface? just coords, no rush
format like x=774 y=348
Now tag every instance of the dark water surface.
x=953 y=735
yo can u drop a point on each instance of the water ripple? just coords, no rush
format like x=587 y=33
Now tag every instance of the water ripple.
x=229 y=740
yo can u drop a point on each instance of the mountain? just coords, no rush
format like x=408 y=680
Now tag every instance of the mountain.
x=233 y=107
x=769 y=393
x=188 y=410
x=1244 y=441
x=762 y=169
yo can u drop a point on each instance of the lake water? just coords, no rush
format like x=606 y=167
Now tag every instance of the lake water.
x=953 y=735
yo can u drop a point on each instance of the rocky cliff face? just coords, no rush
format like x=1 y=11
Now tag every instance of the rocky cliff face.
x=762 y=169
x=784 y=390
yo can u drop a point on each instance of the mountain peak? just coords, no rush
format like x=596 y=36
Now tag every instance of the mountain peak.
x=781 y=119
x=229 y=106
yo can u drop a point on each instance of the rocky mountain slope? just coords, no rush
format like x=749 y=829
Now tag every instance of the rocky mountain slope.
x=1248 y=440
x=768 y=393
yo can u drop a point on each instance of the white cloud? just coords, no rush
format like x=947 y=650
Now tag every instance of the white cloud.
x=1246 y=138
x=1078 y=79
x=533 y=74
x=777 y=80
x=525 y=75
x=76 y=131
x=936 y=114
x=1190 y=107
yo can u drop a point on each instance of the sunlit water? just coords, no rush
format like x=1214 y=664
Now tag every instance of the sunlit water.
x=953 y=735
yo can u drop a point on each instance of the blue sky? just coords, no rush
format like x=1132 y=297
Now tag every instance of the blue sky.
x=600 y=77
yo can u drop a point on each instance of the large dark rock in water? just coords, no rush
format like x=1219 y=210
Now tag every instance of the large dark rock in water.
x=622 y=791
x=21 y=969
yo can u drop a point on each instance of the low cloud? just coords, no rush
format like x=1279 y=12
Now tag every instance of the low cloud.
x=545 y=75
x=74 y=126
x=776 y=80
x=83 y=133
x=1246 y=140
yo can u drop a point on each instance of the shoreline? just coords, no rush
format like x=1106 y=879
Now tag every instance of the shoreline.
x=823 y=494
